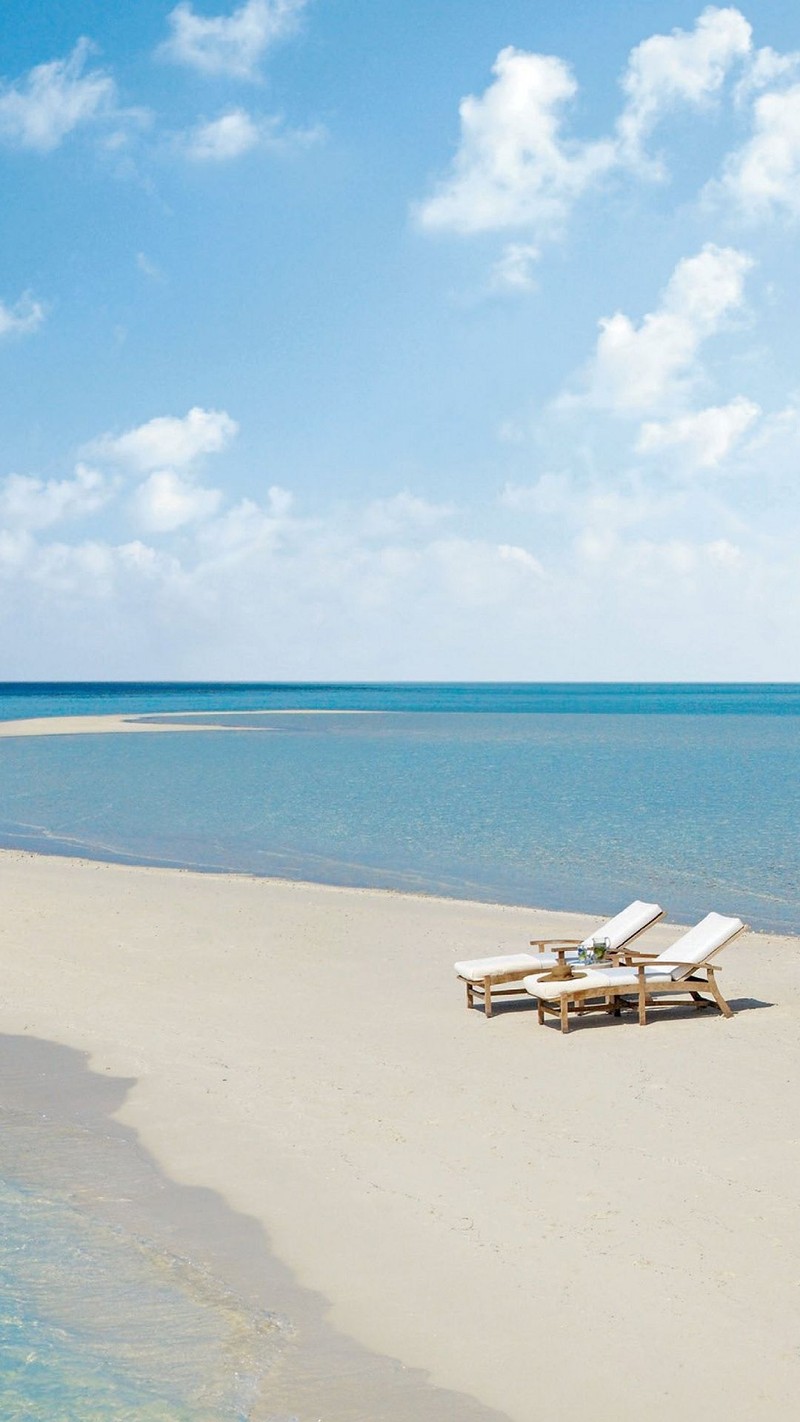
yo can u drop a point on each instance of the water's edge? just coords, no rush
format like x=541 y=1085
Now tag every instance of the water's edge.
x=73 y=1146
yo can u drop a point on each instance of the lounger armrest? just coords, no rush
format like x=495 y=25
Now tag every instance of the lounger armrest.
x=542 y=943
x=676 y=963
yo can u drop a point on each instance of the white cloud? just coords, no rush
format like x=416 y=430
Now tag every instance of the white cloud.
x=647 y=366
x=645 y=563
x=39 y=110
x=21 y=319
x=723 y=552
x=552 y=493
x=28 y=503
x=764 y=175
x=237 y=132
x=476 y=573
x=513 y=167
x=256 y=584
x=403 y=513
x=514 y=270
x=91 y=573
x=765 y=66
x=168 y=440
x=685 y=67
x=512 y=553
x=166 y=501
x=707 y=437
x=223 y=138
x=247 y=529
x=229 y=44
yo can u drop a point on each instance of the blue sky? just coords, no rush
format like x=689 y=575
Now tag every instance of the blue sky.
x=348 y=339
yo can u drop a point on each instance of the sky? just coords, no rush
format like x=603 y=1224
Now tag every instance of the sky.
x=400 y=339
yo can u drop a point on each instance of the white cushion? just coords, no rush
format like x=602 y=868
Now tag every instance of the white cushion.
x=711 y=933
x=478 y=968
x=626 y=924
x=595 y=980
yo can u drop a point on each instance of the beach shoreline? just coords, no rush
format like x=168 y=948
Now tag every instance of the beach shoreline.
x=60 y=1141
x=464 y=1193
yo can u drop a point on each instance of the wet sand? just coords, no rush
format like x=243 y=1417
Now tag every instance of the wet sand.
x=537 y=1223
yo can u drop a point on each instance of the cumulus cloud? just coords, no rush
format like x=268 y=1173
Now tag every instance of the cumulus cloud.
x=223 y=138
x=684 y=67
x=168 y=440
x=21 y=319
x=246 y=532
x=231 y=44
x=257 y=584
x=763 y=176
x=28 y=503
x=638 y=368
x=705 y=438
x=39 y=110
x=167 y=500
x=514 y=270
x=514 y=167
x=237 y=132
x=764 y=68
x=403 y=513
x=176 y=575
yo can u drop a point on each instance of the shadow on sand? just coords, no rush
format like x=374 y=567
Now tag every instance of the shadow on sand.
x=67 y=1111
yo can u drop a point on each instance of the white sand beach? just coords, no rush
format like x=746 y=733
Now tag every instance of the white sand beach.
x=604 y=1222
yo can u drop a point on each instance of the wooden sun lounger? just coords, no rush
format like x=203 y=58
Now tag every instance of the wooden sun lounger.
x=645 y=977
x=489 y=978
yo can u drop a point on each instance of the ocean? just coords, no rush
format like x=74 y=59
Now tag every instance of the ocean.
x=559 y=796
x=575 y=797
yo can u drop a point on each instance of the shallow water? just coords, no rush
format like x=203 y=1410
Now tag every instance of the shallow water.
x=99 y=1318
x=556 y=809
x=95 y=1324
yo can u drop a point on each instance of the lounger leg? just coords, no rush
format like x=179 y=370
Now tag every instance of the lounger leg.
x=541 y=1011
x=717 y=995
x=564 y=1013
x=470 y=995
x=642 y=1007
x=487 y=997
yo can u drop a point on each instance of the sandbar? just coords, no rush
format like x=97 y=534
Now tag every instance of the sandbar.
x=131 y=722
x=604 y=1222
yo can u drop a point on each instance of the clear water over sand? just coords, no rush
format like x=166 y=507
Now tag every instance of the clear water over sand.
x=561 y=797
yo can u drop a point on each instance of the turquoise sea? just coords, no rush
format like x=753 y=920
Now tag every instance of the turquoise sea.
x=563 y=796
x=578 y=797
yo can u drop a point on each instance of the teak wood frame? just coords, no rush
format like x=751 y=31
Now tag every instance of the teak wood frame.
x=613 y=999
x=486 y=988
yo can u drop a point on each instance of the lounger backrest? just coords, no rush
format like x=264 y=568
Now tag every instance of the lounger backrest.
x=707 y=937
x=621 y=929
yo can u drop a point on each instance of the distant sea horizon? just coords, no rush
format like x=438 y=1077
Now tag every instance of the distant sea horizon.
x=22 y=699
x=568 y=795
